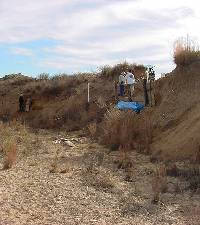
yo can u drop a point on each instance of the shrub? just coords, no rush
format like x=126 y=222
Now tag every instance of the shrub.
x=128 y=130
x=121 y=128
x=43 y=76
x=92 y=127
x=159 y=183
x=186 y=51
x=10 y=151
x=112 y=72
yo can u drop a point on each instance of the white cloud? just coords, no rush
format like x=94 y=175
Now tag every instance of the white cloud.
x=94 y=32
x=21 y=51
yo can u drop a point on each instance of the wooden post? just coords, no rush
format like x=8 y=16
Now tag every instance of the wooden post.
x=146 y=98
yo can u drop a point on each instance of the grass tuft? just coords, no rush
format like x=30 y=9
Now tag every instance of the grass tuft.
x=10 y=151
x=186 y=51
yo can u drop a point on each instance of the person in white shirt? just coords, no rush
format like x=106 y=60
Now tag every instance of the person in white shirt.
x=130 y=81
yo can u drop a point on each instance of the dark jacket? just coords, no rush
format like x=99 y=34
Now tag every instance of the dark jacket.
x=21 y=100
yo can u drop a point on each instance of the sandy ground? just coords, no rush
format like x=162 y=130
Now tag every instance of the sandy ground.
x=66 y=179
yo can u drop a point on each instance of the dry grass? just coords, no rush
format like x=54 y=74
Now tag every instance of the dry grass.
x=54 y=164
x=92 y=127
x=113 y=72
x=148 y=131
x=10 y=153
x=60 y=101
x=127 y=129
x=159 y=183
x=190 y=173
x=98 y=178
x=12 y=135
x=185 y=52
x=191 y=213
x=124 y=159
x=196 y=157
x=101 y=102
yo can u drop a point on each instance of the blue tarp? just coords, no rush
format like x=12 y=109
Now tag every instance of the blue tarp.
x=135 y=106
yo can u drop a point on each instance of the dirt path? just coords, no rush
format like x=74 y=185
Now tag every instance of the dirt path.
x=67 y=179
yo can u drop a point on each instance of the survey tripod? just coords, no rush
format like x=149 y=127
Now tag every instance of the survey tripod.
x=150 y=78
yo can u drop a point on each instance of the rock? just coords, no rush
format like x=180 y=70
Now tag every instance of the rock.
x=69 y=143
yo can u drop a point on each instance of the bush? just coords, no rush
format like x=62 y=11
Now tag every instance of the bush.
x=43 y=76
x=126 y=129
x=10 y=151
x=120 y=128
x=8 y=144
x=185 y=52
x=111 y=72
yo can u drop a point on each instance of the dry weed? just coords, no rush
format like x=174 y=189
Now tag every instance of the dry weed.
x=196 y=158
x=54 y=165
x=113 y=72
x=124 y=158
x=101 y=102
x=10 y=151
x=186 y=51
x=191 y=214
x=159 y=183
x=123 y=128
x=92 y=127
x=148 y=131
x=98 y=178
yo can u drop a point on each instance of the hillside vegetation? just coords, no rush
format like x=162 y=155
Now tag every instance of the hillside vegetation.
x=94 y=164
x=168 y=129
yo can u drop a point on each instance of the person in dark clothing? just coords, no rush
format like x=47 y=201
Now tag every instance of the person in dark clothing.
x=21 y=103
x=31 y=103
x=146 y=97
x=122 y=83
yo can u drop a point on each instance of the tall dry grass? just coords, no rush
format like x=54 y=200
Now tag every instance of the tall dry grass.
x=159 y=183
x=13 y=135
x=186 y=51
x=8 y=146
x=10 y=153
x=126 y=129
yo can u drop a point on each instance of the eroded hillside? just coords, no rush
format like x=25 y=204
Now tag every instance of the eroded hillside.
x=61 y=102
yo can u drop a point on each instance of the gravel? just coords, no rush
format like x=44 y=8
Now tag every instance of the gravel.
x=30 y=194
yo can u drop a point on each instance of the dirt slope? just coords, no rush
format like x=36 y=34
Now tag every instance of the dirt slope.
x=177 y=118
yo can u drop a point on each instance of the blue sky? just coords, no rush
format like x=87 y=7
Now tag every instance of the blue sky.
x=67 y=36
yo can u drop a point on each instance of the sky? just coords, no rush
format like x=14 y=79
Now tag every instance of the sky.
x=69 y=36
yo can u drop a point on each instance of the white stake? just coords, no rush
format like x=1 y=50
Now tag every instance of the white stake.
x=88 y=92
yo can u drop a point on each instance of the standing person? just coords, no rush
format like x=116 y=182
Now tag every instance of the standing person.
x=130 y=81
x=146 y=97
x=30 y=103
x=151 y=78
x=21 y=103
x=27 y=104
x=121 y=83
